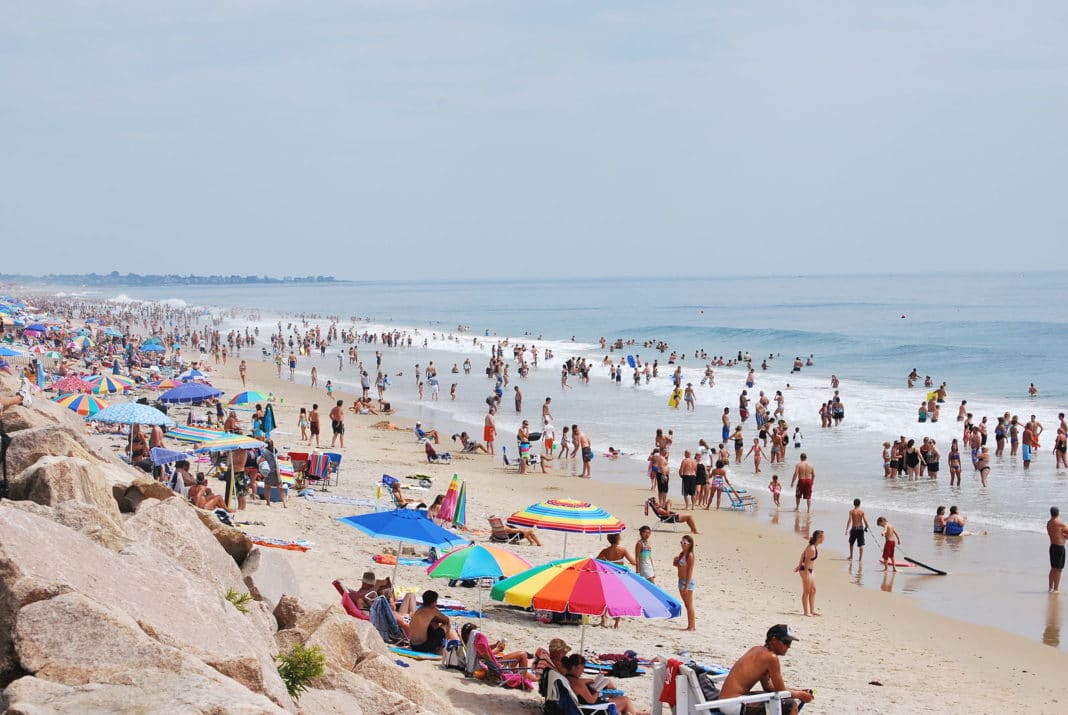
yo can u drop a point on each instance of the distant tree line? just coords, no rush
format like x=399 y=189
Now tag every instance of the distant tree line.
x=137 y=279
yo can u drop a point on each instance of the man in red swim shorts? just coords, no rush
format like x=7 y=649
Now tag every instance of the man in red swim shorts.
x=891 y=540
x=489 y=430
x=805 y=476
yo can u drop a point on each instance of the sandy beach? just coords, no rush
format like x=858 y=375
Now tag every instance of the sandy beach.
x=869 y=652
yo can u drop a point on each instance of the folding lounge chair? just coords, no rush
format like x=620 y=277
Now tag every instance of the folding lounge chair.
x=348 y=604
x=559 y=691
x=318 y=471
x=671 y=520
x=690 y=699
x=740 y=499
x=481 y=655
x=499 y=532
x=435 y=457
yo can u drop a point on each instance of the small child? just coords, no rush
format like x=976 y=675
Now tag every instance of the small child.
x=758 y=454
x=797 y=436
x=891 y=540
x=452 y=391
x=329 y=388
x=775 y=488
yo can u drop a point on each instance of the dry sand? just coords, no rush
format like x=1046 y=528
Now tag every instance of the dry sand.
x=745 y=583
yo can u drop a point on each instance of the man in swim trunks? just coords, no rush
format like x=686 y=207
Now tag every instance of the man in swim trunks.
x=489 y=430
x=1057 y=531
x=429 y=627
x=726 y=432
x=856 y=525
x=688 y=475
x=890 y=541
x=761 y=664
x=337 y=423
x=582 y=442
x=805 y=476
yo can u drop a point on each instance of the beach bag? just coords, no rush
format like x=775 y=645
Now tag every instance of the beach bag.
x=626 y=668
x=455 y=656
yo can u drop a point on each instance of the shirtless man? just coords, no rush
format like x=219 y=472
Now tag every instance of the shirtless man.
x=856 y=525
x=688 y=475
x=1057 y=531
x=726 y=431
x=337 y=423
x=582 y=444
x=489 y=430
x=429 y=627
x=761 y=664
x=805 y=476
x=313 y=423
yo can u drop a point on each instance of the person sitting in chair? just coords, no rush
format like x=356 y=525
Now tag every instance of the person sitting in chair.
x=401 y=501
x=760 y=664
x=668 y=516
x=470 y=445
x=427 y=434
x=574 y=665
x=504 y=532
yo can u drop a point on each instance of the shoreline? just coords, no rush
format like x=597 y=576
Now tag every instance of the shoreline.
x=741 y=562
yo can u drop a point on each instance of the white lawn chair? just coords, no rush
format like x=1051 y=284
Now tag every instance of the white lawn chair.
x=690 y=699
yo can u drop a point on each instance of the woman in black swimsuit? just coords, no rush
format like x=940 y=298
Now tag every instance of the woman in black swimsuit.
x=805 y=568
x=912 y=460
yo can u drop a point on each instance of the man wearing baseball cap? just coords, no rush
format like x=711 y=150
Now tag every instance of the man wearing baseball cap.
x=761 y=664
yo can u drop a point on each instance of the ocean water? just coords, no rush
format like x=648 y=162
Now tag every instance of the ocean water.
x=986 y=335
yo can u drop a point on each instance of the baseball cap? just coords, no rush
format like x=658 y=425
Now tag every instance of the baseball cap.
x=782 y=633
x=558 y=644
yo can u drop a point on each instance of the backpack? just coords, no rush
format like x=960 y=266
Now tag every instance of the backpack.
x=627 y=668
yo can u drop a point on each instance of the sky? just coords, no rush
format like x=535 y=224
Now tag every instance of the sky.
x=394 y=139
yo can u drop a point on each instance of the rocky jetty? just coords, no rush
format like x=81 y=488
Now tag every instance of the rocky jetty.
x=113 y=598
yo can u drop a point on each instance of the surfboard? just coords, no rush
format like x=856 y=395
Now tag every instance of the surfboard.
x=630 y=361
x=925 y=566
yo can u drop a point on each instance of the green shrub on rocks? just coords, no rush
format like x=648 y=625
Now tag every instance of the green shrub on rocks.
x=299 y=666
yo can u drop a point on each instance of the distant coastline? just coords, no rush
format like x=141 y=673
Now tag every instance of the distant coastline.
x=136 y=279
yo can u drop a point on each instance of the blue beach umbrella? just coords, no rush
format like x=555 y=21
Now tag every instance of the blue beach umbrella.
x=153 y=348
x=161 y=455
x=190 y=392
x=192 y=375
x=132 y=413
x=405 y=526
x=8 y=352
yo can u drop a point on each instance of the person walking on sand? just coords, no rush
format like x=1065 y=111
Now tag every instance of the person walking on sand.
x=337 y=423
x=806 y=567
x=242 y=370
x=856 y=525
x=891 y=540
x=684 y=563
x=313 y=424
x=1057 y=531
x=805 y=476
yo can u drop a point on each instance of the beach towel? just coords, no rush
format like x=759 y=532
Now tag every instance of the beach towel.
x=385 y=621
x=318 y=465
x=312 y=496
x=414 y=654
x=298 y=545
x=460 y=613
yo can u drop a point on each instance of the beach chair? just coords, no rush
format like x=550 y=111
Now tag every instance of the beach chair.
x=318 y=471
x=333 y=468
x=480 y=656
x=740 y=499
x=385 y=622
x=663 y=519
x=499 y=532
x=435 y=457
x=690 y=698
x=348 y=604
x=559 y=692
x=299 y=460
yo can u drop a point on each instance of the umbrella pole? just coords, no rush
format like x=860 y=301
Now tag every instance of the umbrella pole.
x=395 y=564
x=565 y=546
x=582 y=636
x=229 y=496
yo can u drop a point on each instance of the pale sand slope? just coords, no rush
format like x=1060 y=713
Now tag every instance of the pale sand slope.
x=745 y=584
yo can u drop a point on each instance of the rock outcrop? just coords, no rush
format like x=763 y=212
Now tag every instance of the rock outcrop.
x=112 y=599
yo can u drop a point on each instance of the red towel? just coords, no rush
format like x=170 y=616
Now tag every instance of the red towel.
x=667 y=693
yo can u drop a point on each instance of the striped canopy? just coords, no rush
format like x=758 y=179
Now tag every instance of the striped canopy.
x=230 y=443
x=250 y=397
x=81 y=404
x=109 y=384
x=81 y=342
x=568 y=515
x=478 y=561
x=196 y=435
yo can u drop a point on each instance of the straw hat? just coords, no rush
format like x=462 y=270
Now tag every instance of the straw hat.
x=557 y=644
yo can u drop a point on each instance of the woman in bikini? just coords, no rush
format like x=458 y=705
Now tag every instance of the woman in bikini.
x=685 y=563
x=615 y=554
x=954 y=464
x=643 y=555
x=808 y=580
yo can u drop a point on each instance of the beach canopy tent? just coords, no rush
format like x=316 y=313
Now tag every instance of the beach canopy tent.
x=588 y=587
x=161 y=455
x=189 y=392
x=570 y=516
x=405 y=526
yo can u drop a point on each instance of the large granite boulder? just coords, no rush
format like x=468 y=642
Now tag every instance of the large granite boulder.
x=234 y=541
x=40 y=559
x=269 y=577
x=173 y=528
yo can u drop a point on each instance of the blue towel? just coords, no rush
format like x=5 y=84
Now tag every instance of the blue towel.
x=454 y=612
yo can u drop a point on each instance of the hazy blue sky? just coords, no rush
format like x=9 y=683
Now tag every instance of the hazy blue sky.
x=393 y=139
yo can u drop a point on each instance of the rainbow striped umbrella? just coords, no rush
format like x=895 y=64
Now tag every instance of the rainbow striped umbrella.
x=476 y=562
x=569 y=516
x=82 y=342
x=589 y=587
x=249 y=397
x=81 y=404
x=109 y=384
x=229 y=443
x=459 y=516
x=166 y=384
x=196 y=435
x=448 y=504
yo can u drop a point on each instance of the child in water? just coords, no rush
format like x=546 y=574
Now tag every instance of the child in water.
x=775 y=488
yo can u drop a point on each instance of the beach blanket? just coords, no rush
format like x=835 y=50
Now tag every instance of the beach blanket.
x=298 y=545
x=461 y=613
x=337 y=499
